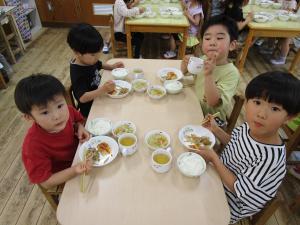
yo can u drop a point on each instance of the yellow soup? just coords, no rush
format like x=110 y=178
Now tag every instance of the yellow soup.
x=127 y=141
x=161 y=158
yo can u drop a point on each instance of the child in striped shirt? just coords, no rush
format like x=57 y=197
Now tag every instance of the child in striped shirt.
x=252 y=164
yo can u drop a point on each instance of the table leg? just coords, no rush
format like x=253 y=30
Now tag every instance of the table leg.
x=294 y=62
x=182 y=48
x=245 y=50
x=128 y=37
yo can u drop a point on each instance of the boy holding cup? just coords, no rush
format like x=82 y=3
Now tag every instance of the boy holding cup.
x=217 y=82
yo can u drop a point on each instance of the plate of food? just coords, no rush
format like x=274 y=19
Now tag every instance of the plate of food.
x=169 y=73
x=101 y=149
x=121 y=90
x=193 y=137
x=155 y=139
x=122 y=127
x=156 y=91
x=99 y=126
x=191 y=164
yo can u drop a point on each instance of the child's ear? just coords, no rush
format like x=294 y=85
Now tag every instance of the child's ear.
x=28 y=117
x=290 y=118
x=232 y=45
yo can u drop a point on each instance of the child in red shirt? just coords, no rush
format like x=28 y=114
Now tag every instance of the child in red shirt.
x=51 y=142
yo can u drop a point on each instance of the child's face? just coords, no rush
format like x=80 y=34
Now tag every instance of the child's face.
x=88 y=58
x=216 y=41
x=264 y=118
x=52 y=117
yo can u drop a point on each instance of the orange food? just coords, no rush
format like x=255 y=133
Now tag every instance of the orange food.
x=171 y=76
x=104 y=148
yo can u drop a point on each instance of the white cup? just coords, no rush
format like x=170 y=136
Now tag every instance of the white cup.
x=138 y=73
x=125 y=145
x=195 y=65
x=161 y=160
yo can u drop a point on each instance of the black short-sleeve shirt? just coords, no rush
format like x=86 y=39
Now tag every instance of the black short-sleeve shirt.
x=84 y=79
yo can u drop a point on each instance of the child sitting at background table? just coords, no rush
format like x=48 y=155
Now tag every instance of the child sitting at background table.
x=50 y=144
x=86 y=43
x=253 y=163
x=194 y=14
x=218 y=81
x=122 y=9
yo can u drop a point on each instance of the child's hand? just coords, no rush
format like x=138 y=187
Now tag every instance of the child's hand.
x=82 y=167
x=208 y=155
x=141 y=9
x=108 y=86
x=184 y=63
x=211 y=123
x=210 y=63
x=82 y=134
x=118 y=65
x=249 y=17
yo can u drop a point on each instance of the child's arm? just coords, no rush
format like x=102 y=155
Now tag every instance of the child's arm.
x=210 y=88
x=67 y=174
x=217 y=131
x=82 y=134
x=107 y=66
x=134 y=3
x=91 y=95
x=244 y=23
x=195 y=20
x=228 y=178
x=184 y=63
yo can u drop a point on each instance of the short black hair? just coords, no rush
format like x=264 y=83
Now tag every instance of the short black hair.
x=37 y=90
x=225 y=21
x=277 y=87
x=84 y=38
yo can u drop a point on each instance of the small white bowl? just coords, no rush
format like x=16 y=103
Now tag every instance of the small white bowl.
x=191 y=164
x=276 y=5
x=119 y=73
x=260 y=18
x=150 y=14
x=177 y=14
x=141 y=15
x=138 y=73
x=173 y=87
x=294 y=17
x=99 y=126
x=140 y=85
x=156 y=91
x=157 y=132
x=282 y=17
x=265 y=4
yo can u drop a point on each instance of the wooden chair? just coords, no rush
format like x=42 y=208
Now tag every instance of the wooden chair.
x=70 y=97
x=52 y=195
x=2 y=81
x=237 y=107
x=116 y=46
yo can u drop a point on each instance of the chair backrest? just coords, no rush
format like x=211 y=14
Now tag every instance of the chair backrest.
x=70 y=98
x=52 y=195
x=293 y=139
x=263 y=216
x=236 y=110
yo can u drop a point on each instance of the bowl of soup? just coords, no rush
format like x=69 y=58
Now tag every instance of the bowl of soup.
x=156 y=91
x=140 y=85
x=156 y=139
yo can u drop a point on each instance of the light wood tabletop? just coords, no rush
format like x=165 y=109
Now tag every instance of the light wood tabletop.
x=128 y=191
x=158 y=24
x=275 y=28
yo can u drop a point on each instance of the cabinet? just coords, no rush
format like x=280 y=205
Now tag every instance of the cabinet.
x=59 y=11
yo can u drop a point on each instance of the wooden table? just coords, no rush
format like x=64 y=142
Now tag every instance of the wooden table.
x=275 y=28
x=128 y=191
x=158 y=24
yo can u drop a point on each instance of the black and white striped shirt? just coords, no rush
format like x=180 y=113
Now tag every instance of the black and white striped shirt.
x=259 y=169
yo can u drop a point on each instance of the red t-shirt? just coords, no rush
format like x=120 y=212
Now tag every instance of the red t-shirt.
x=46 y=153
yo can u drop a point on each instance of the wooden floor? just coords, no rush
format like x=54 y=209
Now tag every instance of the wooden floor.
x=22 y=203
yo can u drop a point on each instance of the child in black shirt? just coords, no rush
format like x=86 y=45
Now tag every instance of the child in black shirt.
x=86 y=43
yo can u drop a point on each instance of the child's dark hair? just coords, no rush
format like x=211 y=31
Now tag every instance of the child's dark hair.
x=277 y=87
x=37 y=89
x=84 y=38
x=225 y=21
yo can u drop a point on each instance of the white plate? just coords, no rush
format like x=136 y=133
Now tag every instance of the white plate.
x=269 y=15
x=141 y=15
x=103 y=159
x=119 y=85
x=152 y=132
x=123 y=122
x=99 y=126
x=162 y=73
x=191 y=164
x=196 y=130
x=170 y=9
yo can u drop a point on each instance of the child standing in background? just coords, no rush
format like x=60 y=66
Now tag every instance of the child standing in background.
x=122 y=9
x=194 y=13
x=218 y=81
x=253 y=163
x=87 y=43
